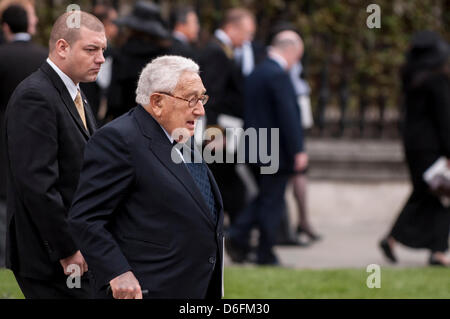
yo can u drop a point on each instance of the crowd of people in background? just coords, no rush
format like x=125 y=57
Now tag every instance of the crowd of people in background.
x=250 y=84
x=226 y=61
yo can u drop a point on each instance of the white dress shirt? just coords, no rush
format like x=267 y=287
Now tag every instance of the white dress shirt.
x=70 y=85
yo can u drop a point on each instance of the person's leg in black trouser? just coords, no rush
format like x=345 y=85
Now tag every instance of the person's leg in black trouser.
x=2 y=232
x=54 y=289
x=270 y=210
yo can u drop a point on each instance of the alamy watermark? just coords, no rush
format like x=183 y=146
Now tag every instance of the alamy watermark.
x=74 y=279
x=249 y=146
x=374 y=19
x=73 y=20
x=374 y=279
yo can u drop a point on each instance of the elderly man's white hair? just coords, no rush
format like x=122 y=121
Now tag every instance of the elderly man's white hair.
x=161 y=75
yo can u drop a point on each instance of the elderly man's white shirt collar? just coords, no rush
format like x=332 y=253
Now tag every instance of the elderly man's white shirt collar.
x=171 y=142
x=278 y=59
x=180 y=36
x=70 y=85
x=223 y=37
x=22 y=36
x=167 y=134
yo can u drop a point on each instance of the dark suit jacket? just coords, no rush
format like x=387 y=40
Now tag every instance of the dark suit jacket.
x=271 y=102
x=128 y=62
x=135 y=209
x=17 y=61
x=223 y=81
x=184 y=49
x=45 y=140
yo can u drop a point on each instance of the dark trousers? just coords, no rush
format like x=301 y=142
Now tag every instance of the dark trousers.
x=54 y=289
x=2 y=232
x=265 y=211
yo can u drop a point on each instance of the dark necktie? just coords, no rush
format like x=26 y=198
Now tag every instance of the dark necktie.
x=199 y=172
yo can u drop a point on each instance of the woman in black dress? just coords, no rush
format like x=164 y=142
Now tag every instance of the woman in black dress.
x=424 y=222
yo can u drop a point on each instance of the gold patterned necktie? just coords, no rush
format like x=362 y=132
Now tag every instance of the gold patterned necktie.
x=80 y=108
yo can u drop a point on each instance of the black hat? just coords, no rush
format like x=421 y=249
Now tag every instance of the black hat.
x=145 y=17
x=428 y=49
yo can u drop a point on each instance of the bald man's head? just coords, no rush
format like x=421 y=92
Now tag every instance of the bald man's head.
x=288 y=44
x=286 y=40
x=63 y=27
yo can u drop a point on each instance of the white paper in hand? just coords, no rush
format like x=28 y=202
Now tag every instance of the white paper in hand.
x=438 y=169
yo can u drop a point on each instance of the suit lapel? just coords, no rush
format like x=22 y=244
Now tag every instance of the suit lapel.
x=65 y=96
x=161 y=148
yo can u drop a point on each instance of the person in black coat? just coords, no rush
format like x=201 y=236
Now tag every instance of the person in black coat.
x=148 y=221
x=18 y=59
x=270 y=103
x=47 y=125
x=185 y=28
x=148 y=37
x=424 y=222
x=224 y=81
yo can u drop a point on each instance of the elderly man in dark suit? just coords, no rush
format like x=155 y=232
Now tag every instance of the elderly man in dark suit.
x=271 y=103
x=18 y=59
x=148 y=220
x=48 y=123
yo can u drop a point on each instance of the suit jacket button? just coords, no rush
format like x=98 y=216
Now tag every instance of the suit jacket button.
x=212 y=260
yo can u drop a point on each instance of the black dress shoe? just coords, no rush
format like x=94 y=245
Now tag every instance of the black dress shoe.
x=274 y=263
x=436 y=262
x=237 y=253
x=311 y=236
x=292 y=242
x=384 y=245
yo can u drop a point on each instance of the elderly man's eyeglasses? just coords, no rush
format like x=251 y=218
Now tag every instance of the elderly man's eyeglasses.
x=192 y=102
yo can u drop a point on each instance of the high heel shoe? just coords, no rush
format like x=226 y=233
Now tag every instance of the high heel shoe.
x=386 y=248
x=436 y=262
x=311 y=235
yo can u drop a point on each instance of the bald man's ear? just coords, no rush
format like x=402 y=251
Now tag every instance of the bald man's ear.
x=61 y=48
x=156 y=104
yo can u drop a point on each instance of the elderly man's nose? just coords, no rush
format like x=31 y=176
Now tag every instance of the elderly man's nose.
x=199 y=109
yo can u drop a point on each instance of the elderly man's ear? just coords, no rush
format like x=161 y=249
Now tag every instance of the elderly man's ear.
x=156 y=104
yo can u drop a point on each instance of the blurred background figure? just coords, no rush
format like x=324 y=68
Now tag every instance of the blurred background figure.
x=224 y=80
x=299 y=181
x=185 y=30
x=424 y=222
x=19 y=57
x=270 y=102
x=28 y=5
x=147 y=37
x=96 y=92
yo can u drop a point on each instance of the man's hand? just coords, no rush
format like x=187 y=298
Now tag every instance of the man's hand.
x=75 y=259
x=301 y=161
x=126 y=286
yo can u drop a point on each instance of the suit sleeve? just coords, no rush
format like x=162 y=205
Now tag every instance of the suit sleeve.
x=106 y=176
x=32 y=139
x=441 y=95
x=287 y=111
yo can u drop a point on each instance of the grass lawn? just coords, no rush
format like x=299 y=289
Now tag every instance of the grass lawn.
x=268 y=282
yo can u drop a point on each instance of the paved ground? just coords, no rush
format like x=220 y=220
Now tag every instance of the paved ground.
x=352 y=217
